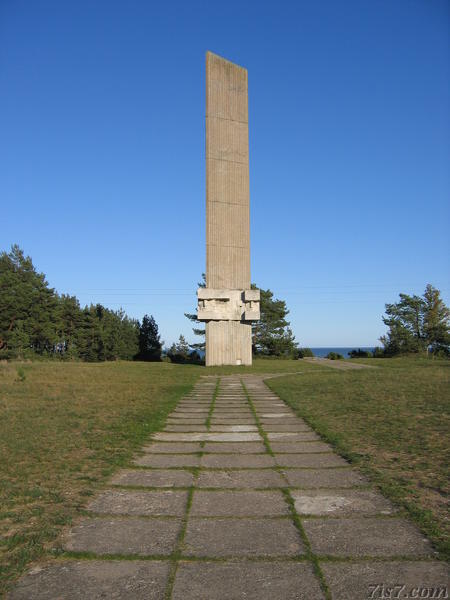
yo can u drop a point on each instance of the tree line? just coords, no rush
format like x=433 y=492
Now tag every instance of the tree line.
x=37 y=321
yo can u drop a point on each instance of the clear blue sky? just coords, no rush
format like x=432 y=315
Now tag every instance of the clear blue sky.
x=102 y=152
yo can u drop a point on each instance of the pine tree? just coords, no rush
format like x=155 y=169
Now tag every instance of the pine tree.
x=180 y=352
x=271 y=335
x=150 y=345
x=200 y=331
x=417 y=324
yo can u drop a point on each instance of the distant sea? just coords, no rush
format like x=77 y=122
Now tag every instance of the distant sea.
x=321 y=352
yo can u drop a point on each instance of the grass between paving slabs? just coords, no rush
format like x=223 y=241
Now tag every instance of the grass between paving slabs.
x=64 y=428
x=309 y=555
x=392 y=422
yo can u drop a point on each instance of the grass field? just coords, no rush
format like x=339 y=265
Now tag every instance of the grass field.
x=65 y=427
x=393 y=422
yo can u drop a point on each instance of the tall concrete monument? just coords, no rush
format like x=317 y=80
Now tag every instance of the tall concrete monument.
x=227 y=304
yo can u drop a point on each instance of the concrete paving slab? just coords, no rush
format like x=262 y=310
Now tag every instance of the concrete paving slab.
x=233 y=428
x=236 y=461
x=242 y=421
x=237 y=447
x=140 y=503
x=366 y=536
x=172 y=447
x=286 y=436
x=226 y=538
x=341 y=502
x=96 y=580
x=154 y=478
x=400 y=580
x=274 y=415
x=131 y=535
x=300 y=447
x=185 y=428
x=177 y=420
x=240 y=479
x=294 y=427
x=238 y=504
x=167 y=436
x=163 y=461
x=324 y=478
x=315 y=461
x=246 y=581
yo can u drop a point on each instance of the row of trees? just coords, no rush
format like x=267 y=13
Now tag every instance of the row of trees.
x=36 y=320
x=417 y=324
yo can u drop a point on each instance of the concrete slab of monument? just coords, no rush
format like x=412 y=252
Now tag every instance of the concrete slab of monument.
x=140 y=503
x=130 y=535
x=167 y=436
x=172 y=447
x=226 y=538
x=153 y=478
x=96 y=580
x=341 y=502
x=324 y=478
x=238 y=504
x=289 y=436
x=234 y=447
x=315 y=461
x=366 y=536
x=250 y=580
x=167 y=460
x=236 y=461
x=300 y=447
x=405 y=579
x=253 y=478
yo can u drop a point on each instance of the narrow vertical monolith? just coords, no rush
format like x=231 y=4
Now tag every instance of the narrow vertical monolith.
x=227 y=304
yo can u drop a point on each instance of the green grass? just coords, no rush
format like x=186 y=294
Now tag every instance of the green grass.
x=393 y=422
x=65 y=427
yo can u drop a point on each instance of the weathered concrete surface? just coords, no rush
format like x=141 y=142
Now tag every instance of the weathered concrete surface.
x=154 y=503
x=317 y=460
x=166 y=461
x=236 y=461
x=324 y=478
x=95 y=580
x=246 y=580
x=240 y=479
x=153 y=478
x=129 y=535
x=341 y=502
x=365 y=537
x=374 y=580
x=242 y=537
x=228 y=341
x=238 y=504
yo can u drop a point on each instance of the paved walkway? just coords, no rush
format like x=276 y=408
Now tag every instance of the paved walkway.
x=238 y=499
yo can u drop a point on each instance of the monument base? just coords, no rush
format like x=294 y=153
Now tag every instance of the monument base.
x=228 y=343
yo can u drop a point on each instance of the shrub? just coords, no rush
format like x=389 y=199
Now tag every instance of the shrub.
x=305 y=353
x=334 y=356
x=359 y=354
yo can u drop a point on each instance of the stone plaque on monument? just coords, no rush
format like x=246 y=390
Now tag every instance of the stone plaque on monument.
x=227 y=304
